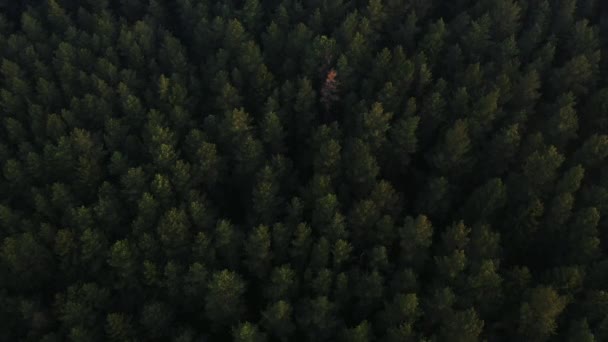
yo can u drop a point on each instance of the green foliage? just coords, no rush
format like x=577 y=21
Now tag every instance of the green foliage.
x=118 y=327
x=278 y=321
x=257 y=251
x=453 y=154
x=223 y=301
x=247 y=332
x=415 y=239
x=462 y=326
x=539 y=313
x=341 y=170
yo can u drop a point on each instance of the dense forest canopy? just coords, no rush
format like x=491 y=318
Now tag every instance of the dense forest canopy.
x=314 y=170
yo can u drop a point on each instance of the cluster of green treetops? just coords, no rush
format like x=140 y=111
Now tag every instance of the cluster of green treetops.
x=304 y=170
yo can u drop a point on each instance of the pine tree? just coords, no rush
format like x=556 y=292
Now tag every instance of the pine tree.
x=223 y=301
x=539 y=312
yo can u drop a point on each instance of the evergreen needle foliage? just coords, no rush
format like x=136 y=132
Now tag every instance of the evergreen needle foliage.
x=290 y=170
